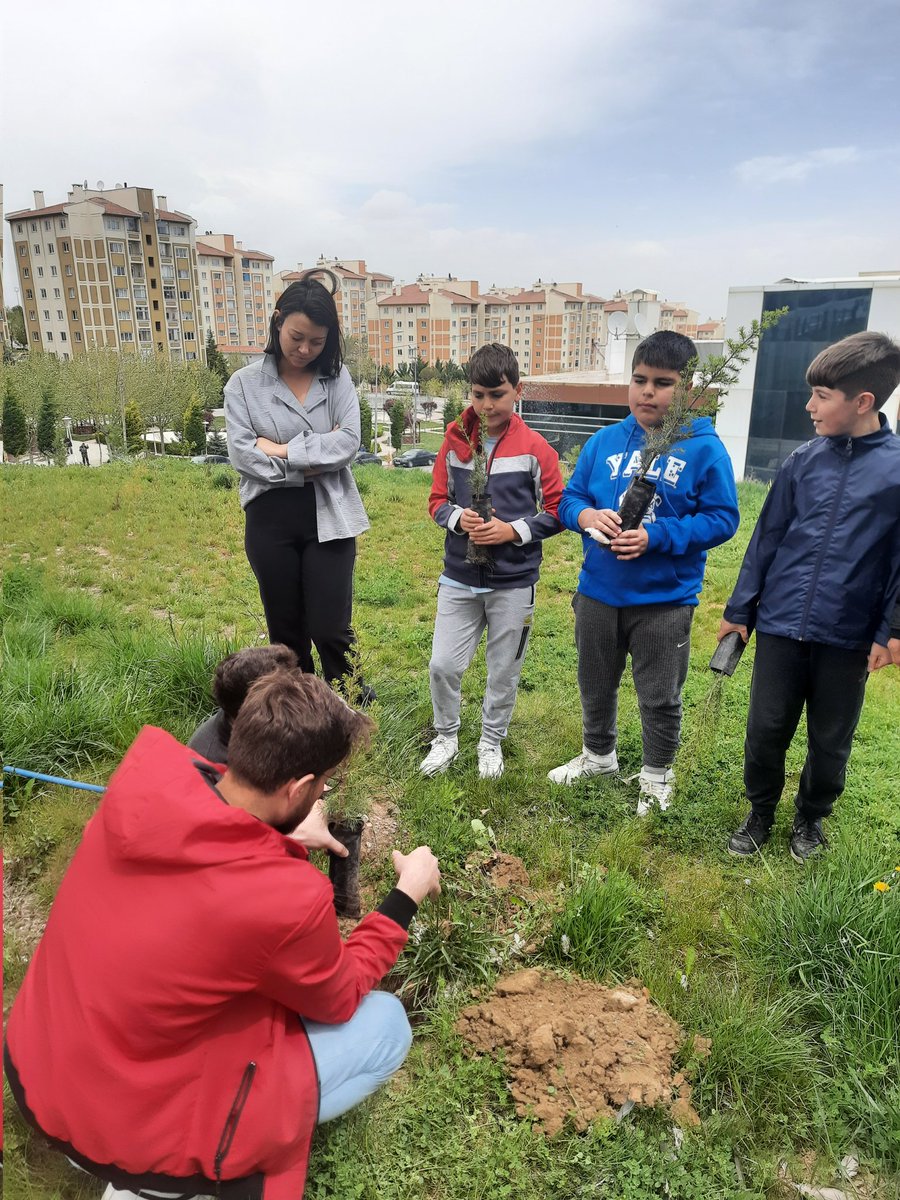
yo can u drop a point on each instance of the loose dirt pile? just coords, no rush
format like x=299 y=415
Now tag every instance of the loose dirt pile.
x=577 y=1049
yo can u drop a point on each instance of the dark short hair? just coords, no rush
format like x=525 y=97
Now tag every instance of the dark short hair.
x=238 y=671
x=290 y=725
x=862 y=362
x=665 y=350
x=312 y=298
x=492 y=365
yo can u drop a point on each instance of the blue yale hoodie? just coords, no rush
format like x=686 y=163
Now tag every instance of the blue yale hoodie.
x=695 y=508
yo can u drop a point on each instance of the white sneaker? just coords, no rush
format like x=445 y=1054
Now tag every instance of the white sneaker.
x=442 y=753
x=656 y=788
x=490 y=761
x=584 y=765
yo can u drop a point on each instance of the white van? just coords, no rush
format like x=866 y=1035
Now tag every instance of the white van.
x=403 y=387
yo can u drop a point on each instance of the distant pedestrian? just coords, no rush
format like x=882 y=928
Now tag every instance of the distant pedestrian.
x=68 y=445
x=84 y=454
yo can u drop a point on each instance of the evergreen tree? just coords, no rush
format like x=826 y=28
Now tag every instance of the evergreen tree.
x=48 y=426
x=215 y=359
x=134 y=429
x=365 y=422
x=216 y=443
x=194 y=435
x=15 y=428
x=398 y=423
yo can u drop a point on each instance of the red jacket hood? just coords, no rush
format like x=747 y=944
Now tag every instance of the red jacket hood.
x=157 y=811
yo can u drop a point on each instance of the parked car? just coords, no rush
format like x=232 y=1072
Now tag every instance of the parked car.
x=365 y=458
x=416 y=457
x=211 y=459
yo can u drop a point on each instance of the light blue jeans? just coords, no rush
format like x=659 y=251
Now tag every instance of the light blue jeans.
x=355 y=1059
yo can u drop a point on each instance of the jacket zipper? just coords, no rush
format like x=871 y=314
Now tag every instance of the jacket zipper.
x=832 y=521
x=482 y=573
x=234 y=1115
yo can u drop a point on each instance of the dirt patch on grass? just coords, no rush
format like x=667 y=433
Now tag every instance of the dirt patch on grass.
x=506 y=873
x=379 y=835
x=576 y=1049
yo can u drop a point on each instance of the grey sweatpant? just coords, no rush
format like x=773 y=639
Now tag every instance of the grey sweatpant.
x=658 y=638
x=461 y=619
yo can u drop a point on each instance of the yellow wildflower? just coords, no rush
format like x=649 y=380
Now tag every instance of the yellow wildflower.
x=881 y=886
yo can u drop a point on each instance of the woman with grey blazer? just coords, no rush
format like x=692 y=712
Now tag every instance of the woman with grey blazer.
x=292 y=420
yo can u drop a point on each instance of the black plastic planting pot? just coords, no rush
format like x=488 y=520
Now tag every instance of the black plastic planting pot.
x=480 y=556
x=344 y=872
x=636 y=502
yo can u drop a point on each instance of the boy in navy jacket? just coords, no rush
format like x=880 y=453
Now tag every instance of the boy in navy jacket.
x=525 y=486
x=638 y=596
x=819 y=583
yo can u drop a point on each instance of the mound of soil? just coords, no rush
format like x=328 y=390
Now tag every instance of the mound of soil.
x=576 y=1049
x=505 y=872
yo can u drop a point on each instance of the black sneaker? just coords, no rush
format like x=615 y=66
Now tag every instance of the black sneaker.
x=749 y=837
x=807 y=838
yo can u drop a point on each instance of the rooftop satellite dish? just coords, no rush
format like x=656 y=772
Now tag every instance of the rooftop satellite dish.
x=99 y=185
x=617 y=322
x=642 y=324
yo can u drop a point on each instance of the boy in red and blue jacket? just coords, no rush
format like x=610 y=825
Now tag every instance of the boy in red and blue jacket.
x=525 y=488
x=819 y=583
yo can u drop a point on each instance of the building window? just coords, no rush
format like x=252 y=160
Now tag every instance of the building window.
x=35 y=337
x=54 y=272
x=43 y=293
x=63 y=338
x=77 y=335
x=117 y=247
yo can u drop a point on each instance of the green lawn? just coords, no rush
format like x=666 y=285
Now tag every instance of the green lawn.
x=123 y=586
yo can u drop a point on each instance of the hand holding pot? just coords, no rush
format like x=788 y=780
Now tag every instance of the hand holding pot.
x=418 y=874
x=607 y=520
x=492 y=533
x=879 y=656
x=313 y=833
x=630 y=544
x=726 y=627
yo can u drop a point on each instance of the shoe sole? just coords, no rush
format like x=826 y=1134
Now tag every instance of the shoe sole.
x=798 y=858
x=578 y=778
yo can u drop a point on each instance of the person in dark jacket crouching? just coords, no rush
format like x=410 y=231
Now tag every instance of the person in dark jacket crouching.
x=192 y=1011
x=819 y=583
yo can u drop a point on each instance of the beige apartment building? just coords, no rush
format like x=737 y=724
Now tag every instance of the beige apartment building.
x=4 y=328
x=237 y=293
x=357 y=286
x=113 y=268
x=550 y=328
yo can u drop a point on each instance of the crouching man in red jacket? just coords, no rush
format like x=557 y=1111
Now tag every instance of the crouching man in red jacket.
x=191 y=1011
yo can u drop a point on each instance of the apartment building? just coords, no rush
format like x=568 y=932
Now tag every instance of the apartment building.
x=237 y=293
x=425 y=319
x=551 y=328
x=113 y=268
x=4 y=328
x=677 y=317
x=357 y=286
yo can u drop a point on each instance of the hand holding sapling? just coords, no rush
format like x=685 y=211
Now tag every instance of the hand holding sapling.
x=313 y=832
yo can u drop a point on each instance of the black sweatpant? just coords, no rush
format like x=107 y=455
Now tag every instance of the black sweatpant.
x=658 y=638
x=306 y=586
x=831 y=683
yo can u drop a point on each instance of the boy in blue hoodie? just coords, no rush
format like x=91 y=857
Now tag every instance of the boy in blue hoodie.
x=638 y=595
x=820 y=583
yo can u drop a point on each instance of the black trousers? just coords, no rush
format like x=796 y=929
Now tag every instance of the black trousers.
x=831 y=682
x=306 y=586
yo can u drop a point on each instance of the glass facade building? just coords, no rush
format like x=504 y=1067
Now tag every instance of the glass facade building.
x=817 y=318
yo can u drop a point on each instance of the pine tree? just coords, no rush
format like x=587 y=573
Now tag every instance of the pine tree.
x=15 y=428
x=134 y=428
x=194 y=429
x=48 y=426
x=215 y=359
x=365 y=422
x=398 y=423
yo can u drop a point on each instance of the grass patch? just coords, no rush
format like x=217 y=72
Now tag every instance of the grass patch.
x=124 y=587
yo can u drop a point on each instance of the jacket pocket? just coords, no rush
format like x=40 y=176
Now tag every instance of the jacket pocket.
x=229 y=1129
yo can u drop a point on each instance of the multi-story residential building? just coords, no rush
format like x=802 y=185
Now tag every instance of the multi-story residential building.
x=236 y=293
x=425 y=320
x=709 y=331
x=114 y=268
x=4 y=328
x=679 y=318
x=357 y=286
x=555 y=327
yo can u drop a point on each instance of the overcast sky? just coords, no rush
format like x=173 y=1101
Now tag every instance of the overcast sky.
x=684 y=149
